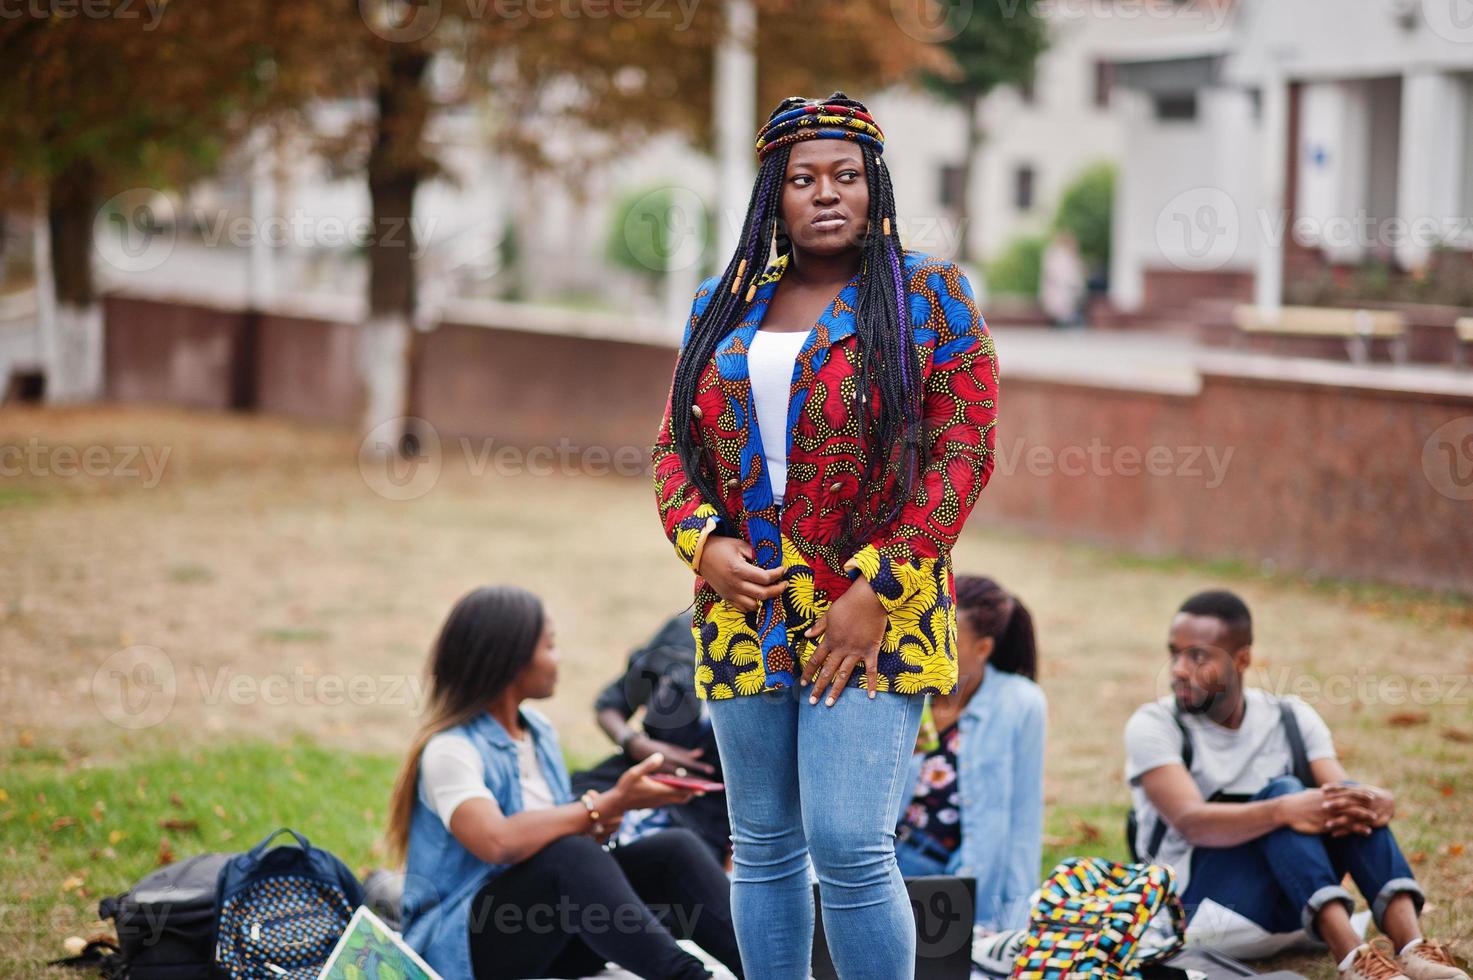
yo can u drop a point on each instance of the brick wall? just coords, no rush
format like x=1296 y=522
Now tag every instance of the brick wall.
x=1327 y=478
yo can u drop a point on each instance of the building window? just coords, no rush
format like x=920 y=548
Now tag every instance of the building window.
x=1023 y=186
x=1104 y=81
x=950 y=190
x=1176 y=106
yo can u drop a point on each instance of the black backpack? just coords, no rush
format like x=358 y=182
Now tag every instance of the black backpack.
x=1296 y=751
x=285 y=905
x=165 y=924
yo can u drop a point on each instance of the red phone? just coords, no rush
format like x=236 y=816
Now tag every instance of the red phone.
x=688 y=782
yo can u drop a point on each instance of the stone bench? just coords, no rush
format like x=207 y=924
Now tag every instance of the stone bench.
x=1464 y=330
x=1324 y=331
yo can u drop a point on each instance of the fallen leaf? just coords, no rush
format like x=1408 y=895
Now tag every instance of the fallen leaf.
x=1089 y=833
x=1417 y=857
x=62 y=822
x=166 y=851
x=174 y=799
x=72 y=883
x=219 y=811
x=1406 y=719
x=114 y=836
x=26 y=739
x=178 y=823
x=1455 y=850
x=1451 y=734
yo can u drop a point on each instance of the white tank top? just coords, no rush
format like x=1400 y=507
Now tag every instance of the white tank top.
x=770 y=368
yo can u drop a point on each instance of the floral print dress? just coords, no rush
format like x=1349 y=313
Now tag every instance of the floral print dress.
x=935 y=806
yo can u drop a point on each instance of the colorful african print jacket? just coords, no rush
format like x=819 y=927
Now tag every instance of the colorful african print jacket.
x=909 y=563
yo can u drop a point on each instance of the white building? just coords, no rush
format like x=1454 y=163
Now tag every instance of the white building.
x=1304 y=131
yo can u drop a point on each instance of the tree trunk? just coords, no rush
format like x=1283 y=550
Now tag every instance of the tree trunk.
x=73 y=348
x=394 y=168
x=970 y=106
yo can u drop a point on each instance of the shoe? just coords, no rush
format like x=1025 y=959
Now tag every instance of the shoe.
x=1429 y=960
x=1373 y=961
x=997 y=953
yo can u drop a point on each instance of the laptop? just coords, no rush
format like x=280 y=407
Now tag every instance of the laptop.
x=944 y=906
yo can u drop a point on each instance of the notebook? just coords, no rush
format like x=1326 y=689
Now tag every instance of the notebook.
x=369 y=948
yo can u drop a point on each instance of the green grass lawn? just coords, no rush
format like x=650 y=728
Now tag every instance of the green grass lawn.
x=263 y=564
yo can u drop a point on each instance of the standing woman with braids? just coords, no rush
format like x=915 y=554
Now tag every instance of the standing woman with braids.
x=829 y=428
x=977 y=773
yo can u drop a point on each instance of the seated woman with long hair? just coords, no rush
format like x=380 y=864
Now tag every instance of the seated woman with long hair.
x=977 y=807
x=507 y=874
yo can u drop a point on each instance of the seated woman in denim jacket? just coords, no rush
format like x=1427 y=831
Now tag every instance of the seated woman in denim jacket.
x=506 y=873
x=977 y=808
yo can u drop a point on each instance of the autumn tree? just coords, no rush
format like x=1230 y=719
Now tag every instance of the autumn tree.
x=111 y=94
x=990 y=43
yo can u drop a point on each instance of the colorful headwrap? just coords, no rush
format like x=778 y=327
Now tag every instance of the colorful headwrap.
x=835 y=118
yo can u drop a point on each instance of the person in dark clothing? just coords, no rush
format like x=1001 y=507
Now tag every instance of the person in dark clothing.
x=660 y=678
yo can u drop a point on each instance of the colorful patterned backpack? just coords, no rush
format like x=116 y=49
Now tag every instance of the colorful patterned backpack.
x=1090 y=918
x=282 y=911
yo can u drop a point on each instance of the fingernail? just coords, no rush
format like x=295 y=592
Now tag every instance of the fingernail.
x=871 y=695
x=829 y=702
x=813 y=700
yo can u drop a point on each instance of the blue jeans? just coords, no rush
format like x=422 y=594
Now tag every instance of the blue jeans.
x=810 y=781
x=1281 y=880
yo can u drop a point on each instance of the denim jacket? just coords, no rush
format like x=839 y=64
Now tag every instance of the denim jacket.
x=1000 y=777
x=442 y=877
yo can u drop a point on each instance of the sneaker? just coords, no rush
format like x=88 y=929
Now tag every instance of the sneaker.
x=1428 y=960
x=996 y=954
x=1373 y=961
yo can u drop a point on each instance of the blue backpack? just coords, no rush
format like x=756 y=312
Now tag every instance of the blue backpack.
x=282 y=911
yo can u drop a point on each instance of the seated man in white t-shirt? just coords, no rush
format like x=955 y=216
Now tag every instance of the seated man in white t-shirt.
x=1258 y=856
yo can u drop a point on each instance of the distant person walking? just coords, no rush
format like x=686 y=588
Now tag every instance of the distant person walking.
x=830 y=426
x=1063 y=282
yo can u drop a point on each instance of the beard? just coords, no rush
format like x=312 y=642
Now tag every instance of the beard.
x=1203 y=704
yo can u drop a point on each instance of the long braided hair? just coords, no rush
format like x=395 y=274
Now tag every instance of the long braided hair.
x=891 y=430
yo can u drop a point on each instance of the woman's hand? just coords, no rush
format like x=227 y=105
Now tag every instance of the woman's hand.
x=850 y=634
x=634 y=791
x=727 y=567
x=678 y=760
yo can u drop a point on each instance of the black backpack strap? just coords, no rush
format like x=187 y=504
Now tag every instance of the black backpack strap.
x=1158 y=832
x=101 y=954
x=1297 y=751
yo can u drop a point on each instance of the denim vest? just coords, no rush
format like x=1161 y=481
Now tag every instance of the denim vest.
x=1000 y=779
x=441 y=876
